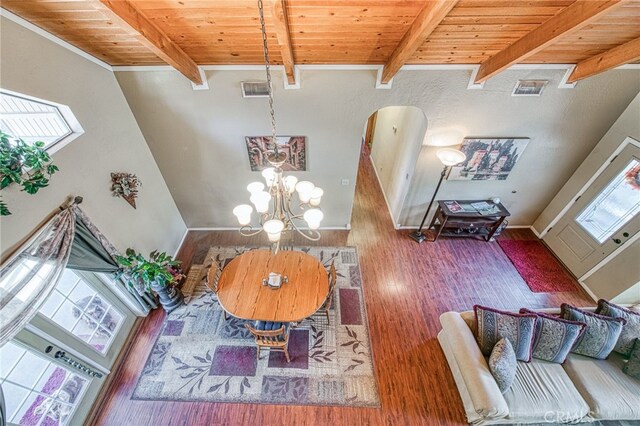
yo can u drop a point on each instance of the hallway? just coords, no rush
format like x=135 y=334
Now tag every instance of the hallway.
x=407 y=286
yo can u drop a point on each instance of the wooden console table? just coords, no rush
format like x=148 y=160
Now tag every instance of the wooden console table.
x=467 y=223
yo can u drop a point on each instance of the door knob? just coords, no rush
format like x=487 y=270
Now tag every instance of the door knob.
x=617 y=240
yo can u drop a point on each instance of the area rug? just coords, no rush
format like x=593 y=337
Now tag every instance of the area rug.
x=200 y=356
x=537 y=266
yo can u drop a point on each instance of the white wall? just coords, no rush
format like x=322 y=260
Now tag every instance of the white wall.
x=197 y=137
x=112 y=141
x=394 y=153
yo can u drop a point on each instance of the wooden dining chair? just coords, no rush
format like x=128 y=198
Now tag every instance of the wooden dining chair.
x=271 y=335
x=212 y=283
x=326 y=306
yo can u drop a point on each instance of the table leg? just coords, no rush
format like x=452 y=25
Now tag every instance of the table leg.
x=494 y=228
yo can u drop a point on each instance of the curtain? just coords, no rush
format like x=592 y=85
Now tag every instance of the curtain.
x=91 y=251
x=31 y=274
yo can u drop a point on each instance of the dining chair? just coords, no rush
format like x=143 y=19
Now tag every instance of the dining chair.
x=326 y=306
x=271 y=335
x=212 y=284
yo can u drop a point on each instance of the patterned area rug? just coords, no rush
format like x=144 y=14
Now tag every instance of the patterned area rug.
x=200 y=356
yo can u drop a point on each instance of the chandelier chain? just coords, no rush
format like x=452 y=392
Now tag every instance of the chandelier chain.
x=265 y=50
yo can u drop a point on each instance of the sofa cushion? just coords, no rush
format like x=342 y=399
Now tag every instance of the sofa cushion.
x=554 y=337
x=632 y=367
x=601 y=334
x=611 y=394
x=631 y=329
x=503 y=364
x=542 y=392
x=493 y=325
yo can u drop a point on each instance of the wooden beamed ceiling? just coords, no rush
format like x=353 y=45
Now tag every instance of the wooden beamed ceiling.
x=595 y=34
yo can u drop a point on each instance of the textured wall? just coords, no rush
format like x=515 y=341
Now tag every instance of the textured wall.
x=112 y=142
x=197 y=137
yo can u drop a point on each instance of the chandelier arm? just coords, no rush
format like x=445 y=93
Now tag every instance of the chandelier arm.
x=312 y=236
x=248 y=231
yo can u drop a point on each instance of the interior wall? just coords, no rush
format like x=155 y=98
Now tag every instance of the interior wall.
x=197 y=137
x=618 y=277
x=112 y=142
x=394 y=152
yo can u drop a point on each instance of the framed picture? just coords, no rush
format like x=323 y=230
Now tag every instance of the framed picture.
x=295 y=148
x=488 y=158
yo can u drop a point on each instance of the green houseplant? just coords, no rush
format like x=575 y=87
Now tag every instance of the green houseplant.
x=152 y=274
x=28 y=165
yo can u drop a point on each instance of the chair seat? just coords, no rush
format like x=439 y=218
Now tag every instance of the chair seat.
x=269 y=325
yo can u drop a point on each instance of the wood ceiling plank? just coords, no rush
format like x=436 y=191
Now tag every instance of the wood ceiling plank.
x=620 y=55
x=150 y=35
x=569 y=19
x=281 y=25
x=424 y=24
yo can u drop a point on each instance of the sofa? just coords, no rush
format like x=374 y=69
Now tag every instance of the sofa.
x=580 y=390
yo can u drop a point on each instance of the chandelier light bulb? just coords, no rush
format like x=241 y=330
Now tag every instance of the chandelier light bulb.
x=290 y=183
x=243 y=213
x=269 y=175
x=451 y=157
x=255 y=187
x=304 y=189
x=313 y=217
x=261 y=200
x=273 y=228
x=316 y=196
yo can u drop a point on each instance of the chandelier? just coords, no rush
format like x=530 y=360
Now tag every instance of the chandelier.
x=273 y=199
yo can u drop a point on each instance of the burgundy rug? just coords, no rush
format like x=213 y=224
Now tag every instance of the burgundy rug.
x=537 y=266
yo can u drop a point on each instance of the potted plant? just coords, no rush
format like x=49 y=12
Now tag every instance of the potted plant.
x=156 y=273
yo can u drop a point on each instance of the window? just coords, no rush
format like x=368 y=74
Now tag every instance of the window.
x=36 y=120
x=614 y=207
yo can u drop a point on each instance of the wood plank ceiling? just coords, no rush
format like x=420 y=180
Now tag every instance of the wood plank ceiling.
x=331 y=31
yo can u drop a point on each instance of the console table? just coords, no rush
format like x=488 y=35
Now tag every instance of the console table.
x=467 y=223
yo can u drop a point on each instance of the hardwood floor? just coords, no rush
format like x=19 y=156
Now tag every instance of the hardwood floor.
x=407 y=286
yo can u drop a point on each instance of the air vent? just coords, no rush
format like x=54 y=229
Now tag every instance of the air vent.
x=529 y=87
x=255 y=89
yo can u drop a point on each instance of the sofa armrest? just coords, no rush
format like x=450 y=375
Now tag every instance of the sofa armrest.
x=481 y=386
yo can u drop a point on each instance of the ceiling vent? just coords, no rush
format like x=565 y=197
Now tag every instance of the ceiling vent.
x=255 y=89
x=529 y=87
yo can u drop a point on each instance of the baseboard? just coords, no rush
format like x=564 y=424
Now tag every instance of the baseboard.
x=588 y=291
x=184 y=236
x=322 y=228
x=375 y=171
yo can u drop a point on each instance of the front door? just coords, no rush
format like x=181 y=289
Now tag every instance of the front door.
x=603 y=218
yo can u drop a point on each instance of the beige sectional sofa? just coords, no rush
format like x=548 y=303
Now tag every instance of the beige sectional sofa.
x=580 y=390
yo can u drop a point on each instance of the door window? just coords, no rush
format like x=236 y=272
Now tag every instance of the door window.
x=614 y=206
x=36 y=390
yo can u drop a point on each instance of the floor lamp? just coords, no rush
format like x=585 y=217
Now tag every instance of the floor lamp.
x=449 y=157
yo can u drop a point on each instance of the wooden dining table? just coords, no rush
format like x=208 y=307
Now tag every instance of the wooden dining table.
x=242 y=294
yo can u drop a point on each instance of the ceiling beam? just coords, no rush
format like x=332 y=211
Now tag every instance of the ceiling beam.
x=281 y=23
x=571 y=18
x=619 y=55
x=127 y=15
x=427 y=20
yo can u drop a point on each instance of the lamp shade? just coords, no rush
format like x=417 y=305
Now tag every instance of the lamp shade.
x=243 y=213
x=304 y=189
x=316 y=196
x=273 y=228
x=261 y=200
x=269 y=175
x=290 y=183
x=313 y=217
x=450 y=156
x=255 y=187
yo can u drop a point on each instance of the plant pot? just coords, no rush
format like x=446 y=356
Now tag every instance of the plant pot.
x=170 y=297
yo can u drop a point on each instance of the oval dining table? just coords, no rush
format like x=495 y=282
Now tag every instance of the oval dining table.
x=242 y=294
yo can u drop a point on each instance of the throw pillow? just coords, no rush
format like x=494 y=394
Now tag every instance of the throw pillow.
x=632 y=367
x=631 y=329
x=493 y=325
x=554 y=337
x=503 y=364
x=600 y=336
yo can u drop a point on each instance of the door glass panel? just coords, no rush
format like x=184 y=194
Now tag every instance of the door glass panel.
x=614 y=206
x=37 y=391
x=78 y=308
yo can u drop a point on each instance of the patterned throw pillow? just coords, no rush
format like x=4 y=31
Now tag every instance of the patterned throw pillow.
x=601 y=334
x=493 y=325
x=554 y=337
x=632 y=367
x=631 y=329
x=503 y=364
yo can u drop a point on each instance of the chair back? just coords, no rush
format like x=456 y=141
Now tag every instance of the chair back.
x=332 y=285
x=212 y=275
x=269 y=337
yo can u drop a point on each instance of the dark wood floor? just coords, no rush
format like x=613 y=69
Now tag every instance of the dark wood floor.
x=407 y=286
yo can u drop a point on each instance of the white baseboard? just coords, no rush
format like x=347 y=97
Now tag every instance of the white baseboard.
x=184 y=236
x=322 y=228
x=588 y=290
x=375 y=170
